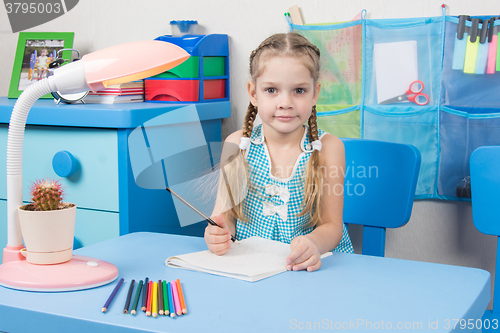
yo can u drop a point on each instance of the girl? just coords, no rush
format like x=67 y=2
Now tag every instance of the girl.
x=292 y=191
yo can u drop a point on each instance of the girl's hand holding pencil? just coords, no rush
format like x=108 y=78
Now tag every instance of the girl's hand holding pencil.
x=305 y=255
x=218 y=238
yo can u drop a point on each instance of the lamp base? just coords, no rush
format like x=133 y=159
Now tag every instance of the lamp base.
x=76 y=274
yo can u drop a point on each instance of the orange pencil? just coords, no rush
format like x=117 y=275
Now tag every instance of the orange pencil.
x=148 y=304
x=181 y=297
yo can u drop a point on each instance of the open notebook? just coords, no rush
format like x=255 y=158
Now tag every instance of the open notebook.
x=251 y=259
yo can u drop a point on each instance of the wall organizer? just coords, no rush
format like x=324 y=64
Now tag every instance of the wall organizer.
x=367 y=60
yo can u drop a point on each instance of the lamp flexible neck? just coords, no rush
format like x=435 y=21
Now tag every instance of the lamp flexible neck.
x=15 y=155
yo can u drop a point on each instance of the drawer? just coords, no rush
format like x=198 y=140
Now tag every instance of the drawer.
x=213 y=89
x=94 y=184
x=214 y=66
x=172 y=90
x=188 y=69
x=95 y=226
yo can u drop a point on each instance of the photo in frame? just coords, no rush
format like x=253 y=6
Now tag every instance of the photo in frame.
x=34 y=52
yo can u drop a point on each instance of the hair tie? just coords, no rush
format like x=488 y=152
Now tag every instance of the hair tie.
x=244 y=143
x=317 y=145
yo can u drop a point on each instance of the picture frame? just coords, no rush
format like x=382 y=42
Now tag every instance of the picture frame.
x=34 y=52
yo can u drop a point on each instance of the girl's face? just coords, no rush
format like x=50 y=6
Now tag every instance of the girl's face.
x=284 y=94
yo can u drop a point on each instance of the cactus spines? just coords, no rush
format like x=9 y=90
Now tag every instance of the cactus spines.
x=46 y=194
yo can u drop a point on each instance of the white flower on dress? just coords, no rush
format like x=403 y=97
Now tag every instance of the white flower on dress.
x=282 y=210
x=281 y=191
x=270 y=209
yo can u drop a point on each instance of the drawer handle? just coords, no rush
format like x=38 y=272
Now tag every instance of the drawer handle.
x=64 y=163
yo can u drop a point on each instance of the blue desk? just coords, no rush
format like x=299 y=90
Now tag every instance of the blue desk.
x=358 y=291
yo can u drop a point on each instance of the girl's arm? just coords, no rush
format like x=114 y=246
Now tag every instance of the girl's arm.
x=218 y=239
x=307 y=249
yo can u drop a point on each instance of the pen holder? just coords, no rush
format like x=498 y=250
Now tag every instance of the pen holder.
x=181 y=28
x=48 y=235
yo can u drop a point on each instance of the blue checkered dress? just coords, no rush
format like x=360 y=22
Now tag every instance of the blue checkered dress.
x=272 y=204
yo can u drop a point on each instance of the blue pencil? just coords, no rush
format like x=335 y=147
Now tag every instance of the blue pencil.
x=170 y=300
x=110 y=298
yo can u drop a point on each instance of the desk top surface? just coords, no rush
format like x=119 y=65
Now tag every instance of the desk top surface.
x=357 y=292
x=121 y=115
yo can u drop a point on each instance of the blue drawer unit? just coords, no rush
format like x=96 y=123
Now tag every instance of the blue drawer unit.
x=98 y=176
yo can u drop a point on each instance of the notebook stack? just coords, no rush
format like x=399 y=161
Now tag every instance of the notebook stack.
x=119 y=93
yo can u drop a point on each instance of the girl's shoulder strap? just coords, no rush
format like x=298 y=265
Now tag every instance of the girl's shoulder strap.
x=257 y=136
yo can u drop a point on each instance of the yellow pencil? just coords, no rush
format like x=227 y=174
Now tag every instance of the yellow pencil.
x=155 y=299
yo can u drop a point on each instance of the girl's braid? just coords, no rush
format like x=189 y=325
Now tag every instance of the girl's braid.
x=249 y=119
x=313 y=125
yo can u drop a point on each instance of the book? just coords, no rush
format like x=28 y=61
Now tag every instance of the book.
x=119 y=93
x=111 y=99
x=251 y=259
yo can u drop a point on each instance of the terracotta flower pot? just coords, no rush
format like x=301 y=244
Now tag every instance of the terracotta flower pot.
x=48 y=235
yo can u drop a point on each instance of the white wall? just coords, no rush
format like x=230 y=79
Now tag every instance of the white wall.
x=438 y=231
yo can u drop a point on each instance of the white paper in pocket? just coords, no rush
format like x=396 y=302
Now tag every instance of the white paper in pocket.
x=396 y=67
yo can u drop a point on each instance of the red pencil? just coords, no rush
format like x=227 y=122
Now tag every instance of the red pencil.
x=148 y=302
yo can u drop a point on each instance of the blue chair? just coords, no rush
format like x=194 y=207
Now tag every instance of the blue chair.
x=379 y=188
x=485 y=188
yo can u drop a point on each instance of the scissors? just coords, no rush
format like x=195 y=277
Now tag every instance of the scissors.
x=413 y=94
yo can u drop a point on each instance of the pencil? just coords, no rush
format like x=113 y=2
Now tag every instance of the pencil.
x=209 y=220
x=129 y=295
x=136 y=298
x=145 y=295
x=178 y=309
x=170 y=300
x=110 y=298
x=160 y=298
x=181 y=297
x=166 y=311
x=148 y=305
x=155 y=299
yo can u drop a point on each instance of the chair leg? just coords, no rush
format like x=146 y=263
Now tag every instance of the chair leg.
x=496 y=295
x=373 y=241
x=491 y=318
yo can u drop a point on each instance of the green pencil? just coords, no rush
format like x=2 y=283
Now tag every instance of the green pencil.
x=166 y=310
x=136 y=299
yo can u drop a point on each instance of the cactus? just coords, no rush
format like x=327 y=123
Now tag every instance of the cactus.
x=46 y=194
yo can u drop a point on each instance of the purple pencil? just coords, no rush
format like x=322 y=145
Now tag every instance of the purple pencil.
x=110 y=298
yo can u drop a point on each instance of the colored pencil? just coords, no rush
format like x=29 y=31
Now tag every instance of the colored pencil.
x=166 y=311
x=154 y=306
x=178 y=309
x=181 y=297
x=136 y=298
x=145 y=295
x=209 y=220
x=160 y=297
x=148 y=305
x=129 y=296
x=110 y=298
x=170 y=300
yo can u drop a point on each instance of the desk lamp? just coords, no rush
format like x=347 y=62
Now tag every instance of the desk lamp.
x=95 y=71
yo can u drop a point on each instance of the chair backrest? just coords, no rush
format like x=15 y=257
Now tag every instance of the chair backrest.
x=379 y=188
x=485 y=188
